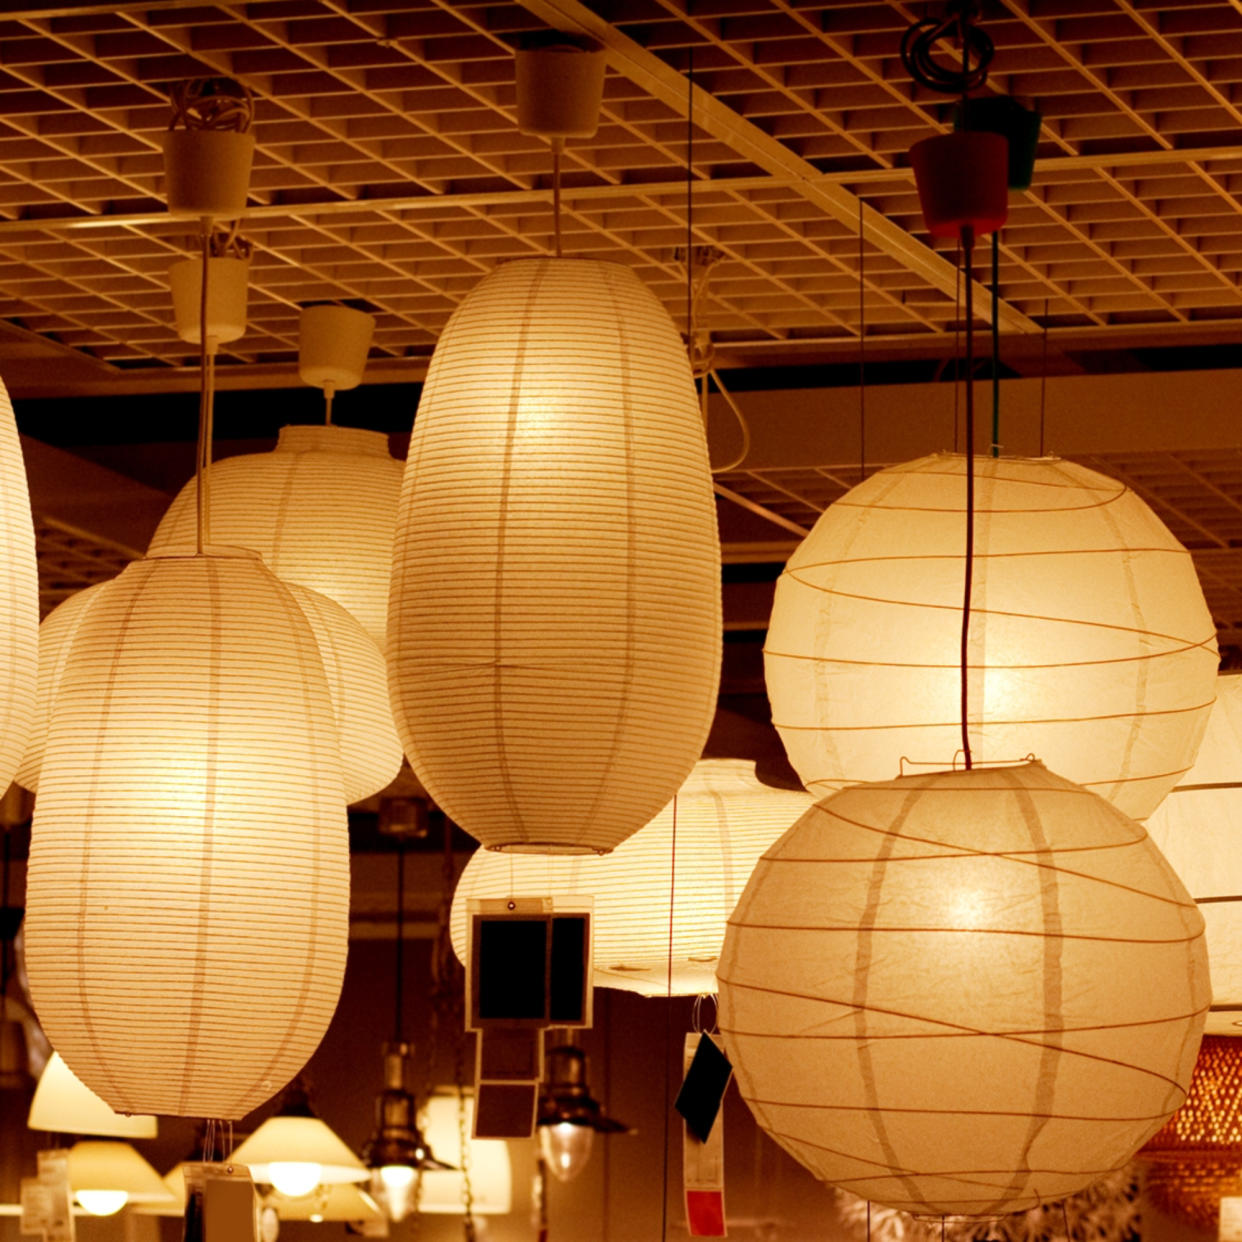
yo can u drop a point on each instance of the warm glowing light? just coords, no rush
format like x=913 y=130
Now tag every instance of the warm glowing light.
x=566 y=1148
x=294 y=1178
x=393 y=1185
x=102 y=1202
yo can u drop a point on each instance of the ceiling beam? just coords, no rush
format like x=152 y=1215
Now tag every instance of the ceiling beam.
x=751 y=143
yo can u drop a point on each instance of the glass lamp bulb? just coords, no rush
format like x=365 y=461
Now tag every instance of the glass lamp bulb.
x=102 y=1202
x=393 y=1186
x=566 y=1148
x=294 y=1178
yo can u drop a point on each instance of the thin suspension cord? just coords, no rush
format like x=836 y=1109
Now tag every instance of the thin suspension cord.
x=668 y=1021
x=557 y=143
x=206 y=362
x=398 y=1026
x=957 y=348
x=968 y=245
x=1043 y=379
x=862 y=358
x=690 y=217
x=4 y=920
x=996 y=343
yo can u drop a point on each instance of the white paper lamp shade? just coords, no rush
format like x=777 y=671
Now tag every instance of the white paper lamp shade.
x=320 y=509
x=188 y=886
x=963 y=992
x=19 y=600
x=106 y=1176
x=1090 y=642
x=1199 y=829
x=555 y=612
x=307 y=1141
x=725 y=819
x=491 y=1171
x=63 y=1104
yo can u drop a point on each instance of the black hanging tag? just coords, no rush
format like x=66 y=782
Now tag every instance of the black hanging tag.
x=703 y=1089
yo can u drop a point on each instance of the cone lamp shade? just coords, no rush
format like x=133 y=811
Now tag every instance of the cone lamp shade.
x=1090 y=642
x=106 y=1176
x=19 y=599
x=63 y=1104
x=555 y=613
x=320 y=509
x=188 y=886
x=341 y=1201
x=1199 y=829
x=491 y=1171
x=725 y=819
x=283 y=1142
x=963 y=992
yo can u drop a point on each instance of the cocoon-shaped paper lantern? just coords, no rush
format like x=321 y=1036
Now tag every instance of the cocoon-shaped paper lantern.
x=555 y=610
x=19 y=599
x=724 y=817
x=1199 y=829
x=188 y=889
x=320 y=509
x=1090 y=642
x=963 y=992
x=354 y=665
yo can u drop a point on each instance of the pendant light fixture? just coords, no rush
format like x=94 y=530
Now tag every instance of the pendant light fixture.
x=569 y=1116
x=188 y=886
x=1198 y=828
x=679 y=875
x=107 y=1175
x=971 y=991
x=555 y=612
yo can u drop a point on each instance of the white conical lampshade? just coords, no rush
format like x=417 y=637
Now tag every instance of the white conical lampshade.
x=491 y=1171
x=188 y=888
x=299 y=1140
x=555 y=615
x=106 y=1176
x=1090 y=642
x=341 y=1201
x=1199 y=829
x=963 y=992
x=725 y=818
x=63 y=1104
x=19 y=600
x=320 y=509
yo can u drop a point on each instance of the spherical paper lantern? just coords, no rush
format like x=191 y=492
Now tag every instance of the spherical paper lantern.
x=555 y=612
x=725 y=819
x=1090 y=642
x=188 y=887
x=963 y=992
x=1199 y=829
x=320 y=509
x=19 y=599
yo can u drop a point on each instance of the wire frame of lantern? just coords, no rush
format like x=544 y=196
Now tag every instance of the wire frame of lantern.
x=352 y=662
x=1199 y=829
x=963 y=993
x=555 y=612
x=320 y=509
x=19 y=599
x=723 y=819
x=1090 y=642
x=188 y=888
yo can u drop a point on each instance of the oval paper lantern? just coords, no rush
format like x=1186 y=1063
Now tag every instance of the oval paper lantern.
x=19 y=599
x=320 y=509
x=1199 y=829
x=1090 y=642
x=725 y=819
x=963 y=992
x=188 y=889
x=555 y=613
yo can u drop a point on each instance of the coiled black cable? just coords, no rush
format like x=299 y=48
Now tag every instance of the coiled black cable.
x=919 y=41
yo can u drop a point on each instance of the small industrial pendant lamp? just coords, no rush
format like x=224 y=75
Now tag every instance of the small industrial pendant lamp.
x=569 y=1116
x=555 y=610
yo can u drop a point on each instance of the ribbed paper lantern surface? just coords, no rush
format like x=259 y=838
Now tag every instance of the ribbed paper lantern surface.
x=1090 y=643
x=555 y=614
x=319 y=509
x=19 y=600
x=187 y=897
x=963 y=992
x=725 y=819
x=1199 y=829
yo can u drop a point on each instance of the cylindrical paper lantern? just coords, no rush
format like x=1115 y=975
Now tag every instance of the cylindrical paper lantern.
x=319 y=509
x=1199 y=829
x=725 y=819
x=188 y=890
x=555 y=612
x=963 y=992
x=354 y=664
x=19 y=599
x=1090 y=642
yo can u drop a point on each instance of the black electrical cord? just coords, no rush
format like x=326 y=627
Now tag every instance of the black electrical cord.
x=919 y=42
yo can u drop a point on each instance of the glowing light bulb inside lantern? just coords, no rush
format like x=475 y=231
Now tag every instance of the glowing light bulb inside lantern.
x=102 y=1202
x=397 y=1189
x=566 y=1148
x=295 y=1178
